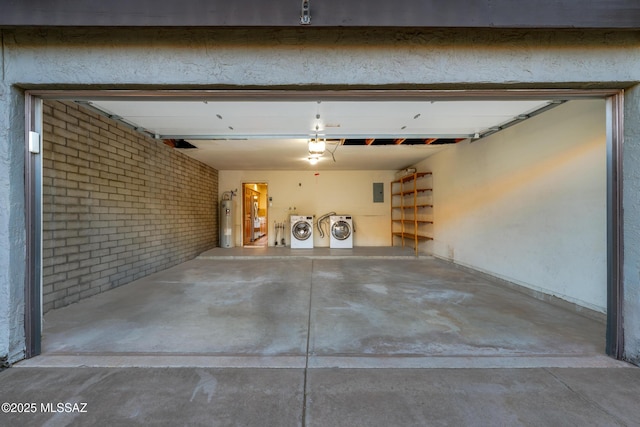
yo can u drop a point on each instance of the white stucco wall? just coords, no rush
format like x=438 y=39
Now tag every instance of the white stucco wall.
x=264 y=58
x=343 y=192
x=529 y=204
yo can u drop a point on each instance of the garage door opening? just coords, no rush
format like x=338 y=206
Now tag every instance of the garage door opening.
x=115 y=199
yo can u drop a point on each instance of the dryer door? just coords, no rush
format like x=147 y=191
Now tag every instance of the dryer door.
x=301 y=230
x=341 y=230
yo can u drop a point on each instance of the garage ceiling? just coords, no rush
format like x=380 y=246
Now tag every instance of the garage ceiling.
x=273 y=134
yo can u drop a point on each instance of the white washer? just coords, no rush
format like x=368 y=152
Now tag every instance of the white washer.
x=301 y=231
x=341 y=231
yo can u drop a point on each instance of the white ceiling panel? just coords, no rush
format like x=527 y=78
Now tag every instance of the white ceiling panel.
x=233 y=134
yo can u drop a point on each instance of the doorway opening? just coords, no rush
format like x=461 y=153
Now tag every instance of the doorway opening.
x=255 y=224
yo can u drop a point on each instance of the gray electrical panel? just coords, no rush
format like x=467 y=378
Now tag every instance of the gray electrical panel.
x=378 y=192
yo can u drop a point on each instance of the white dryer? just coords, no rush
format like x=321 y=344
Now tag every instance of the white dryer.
x=301 y=231
x=341 y=231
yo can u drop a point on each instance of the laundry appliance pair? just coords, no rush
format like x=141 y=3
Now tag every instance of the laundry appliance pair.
x=340 y=231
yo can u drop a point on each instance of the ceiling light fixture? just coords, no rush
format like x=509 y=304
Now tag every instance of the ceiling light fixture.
x=317 y=146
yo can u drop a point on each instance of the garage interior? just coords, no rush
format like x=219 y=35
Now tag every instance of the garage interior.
x=516 y=267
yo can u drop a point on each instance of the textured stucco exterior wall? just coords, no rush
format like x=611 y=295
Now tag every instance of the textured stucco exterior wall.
x=12 y=224
x=320 y=57
x=17 y=234
x=631 y=207
x=5 y=241
x=294 y=58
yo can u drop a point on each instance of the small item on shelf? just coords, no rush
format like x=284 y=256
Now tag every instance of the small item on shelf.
x=405 y=172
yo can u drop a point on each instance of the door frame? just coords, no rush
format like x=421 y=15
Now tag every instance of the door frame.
x=615 y=127
x=243 y=213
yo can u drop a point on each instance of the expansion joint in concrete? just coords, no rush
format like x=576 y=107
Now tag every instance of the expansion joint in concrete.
x=306 y=359
x=583 y=397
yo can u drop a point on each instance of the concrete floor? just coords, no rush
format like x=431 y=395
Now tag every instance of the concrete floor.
x=264 y=336
x=366 y=307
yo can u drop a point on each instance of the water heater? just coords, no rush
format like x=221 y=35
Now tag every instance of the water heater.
x=226 y=224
